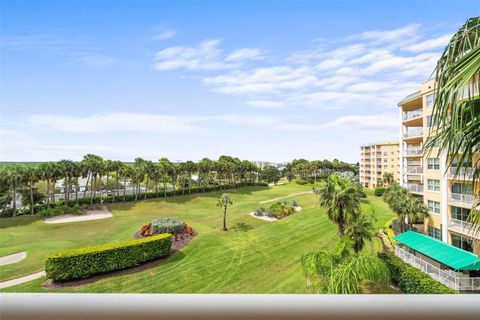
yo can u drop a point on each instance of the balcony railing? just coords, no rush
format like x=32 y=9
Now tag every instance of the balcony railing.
x=414 y=169
x=449 y=278
x=466 y=199
x=413 y=152
x=413 y=133
x=464 y=174
x=464 y=227
x=415 y=187
x=412 y=115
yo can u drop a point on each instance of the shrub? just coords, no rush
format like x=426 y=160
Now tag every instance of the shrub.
x=166 y=225
x=86 y=262
x=379 y=191
x=258 y=212
x=60 y=210
x=410 y=279
x=301 y=181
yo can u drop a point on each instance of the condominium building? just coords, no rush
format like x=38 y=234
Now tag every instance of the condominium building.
x=378 y=159
x=449 y=199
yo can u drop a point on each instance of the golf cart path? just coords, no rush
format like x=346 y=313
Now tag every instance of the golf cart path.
x=14 y=282
x=90 y=215
x=290 y=195
x=13 y=258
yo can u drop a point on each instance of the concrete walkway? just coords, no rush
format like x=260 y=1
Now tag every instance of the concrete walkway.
x=14 y=282
x=13 y=258
x=290 y=195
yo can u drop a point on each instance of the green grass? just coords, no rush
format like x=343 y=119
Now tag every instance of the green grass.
x=254 y=256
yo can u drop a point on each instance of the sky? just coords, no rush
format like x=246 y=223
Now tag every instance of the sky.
x=259 y=80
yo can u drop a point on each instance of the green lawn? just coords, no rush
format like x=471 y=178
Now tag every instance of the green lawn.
x=254 y=256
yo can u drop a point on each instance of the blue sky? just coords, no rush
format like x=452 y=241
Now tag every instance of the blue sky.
x=261 y=80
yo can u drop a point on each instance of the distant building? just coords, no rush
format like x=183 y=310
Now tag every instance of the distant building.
x=263 y=164
x=378 y=159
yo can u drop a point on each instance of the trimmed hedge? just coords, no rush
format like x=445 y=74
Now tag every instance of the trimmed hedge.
x=410 y=279
x=379 y=191
x=8 y=212
x=86 y=262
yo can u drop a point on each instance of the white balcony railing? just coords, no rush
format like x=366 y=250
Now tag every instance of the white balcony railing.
x=412 y=115
x=413 y=133
x=463 y=174
x=415 y=187
x=448 y=277
x=464 y=227
x=413 y=152
x=466 y=199
x=414 y=169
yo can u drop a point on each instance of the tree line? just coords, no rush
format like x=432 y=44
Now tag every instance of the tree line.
x=112 y=177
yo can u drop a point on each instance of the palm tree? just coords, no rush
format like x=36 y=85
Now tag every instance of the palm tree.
x=14 y=177
x=190 y=168
x=46 y=172
x=31 y=176
x=360 y=230
x=340 y=197
x=205 y=166
x=387 y=178
x=165 y=169
x=224 y=201
x=456 y=111
x=125 y=172
x=340 y=272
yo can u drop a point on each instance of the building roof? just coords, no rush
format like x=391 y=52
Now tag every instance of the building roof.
x=410 y=97
x=449 y=255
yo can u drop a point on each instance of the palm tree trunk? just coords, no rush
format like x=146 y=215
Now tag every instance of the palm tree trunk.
x=164 y=187
x=48 y=193
x=124 y=188
x=225 y=219
x=116 y=187
x=14 y=199
x=86 y=185
x=189 y=183
x=91 y=189
x=31 y=196
x=76 y=190
x=146 y=188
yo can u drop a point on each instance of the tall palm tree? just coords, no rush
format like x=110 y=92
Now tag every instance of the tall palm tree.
x=456 y=111
x=224 y=202
x=126 y=172
x=190 y=168
x=387 y=178
x=31 y=176
x=165 y=169
x=46 y=172
x=340 y=197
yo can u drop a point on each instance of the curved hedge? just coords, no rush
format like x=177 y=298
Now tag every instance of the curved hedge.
x=86 y=262
x=410 y=279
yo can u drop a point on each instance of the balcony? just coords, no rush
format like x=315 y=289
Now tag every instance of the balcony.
x=460 y=199
x=463 y=227
x=450 y=278
x=464 y=174
x=414 y=170
x=413 y=133
x=415 y=187
x=413 y=152
x=410 y=115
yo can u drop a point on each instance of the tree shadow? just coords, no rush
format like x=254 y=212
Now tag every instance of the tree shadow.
x=242 y=226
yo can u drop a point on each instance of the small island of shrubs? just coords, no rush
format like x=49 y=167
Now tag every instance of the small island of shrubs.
x=278 y=210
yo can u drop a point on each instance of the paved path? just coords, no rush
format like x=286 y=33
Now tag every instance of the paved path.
x=13 y=258
x=290 y=195
x=91 y=215
x=14 y=282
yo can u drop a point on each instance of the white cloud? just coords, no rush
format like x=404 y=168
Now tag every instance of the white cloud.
x=115 y=122
x=429 y=44
x=244 y=54
x=265 y=104
x=165 y=34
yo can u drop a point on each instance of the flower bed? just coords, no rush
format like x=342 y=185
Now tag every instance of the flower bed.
x=278 y=210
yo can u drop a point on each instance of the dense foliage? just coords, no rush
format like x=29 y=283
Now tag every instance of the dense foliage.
x=166 y=225
x=405 y=205
x=278 y=210
x=379 y=191
x=86 y=262
x=410 y=279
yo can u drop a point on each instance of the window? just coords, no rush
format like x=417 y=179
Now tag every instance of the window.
x=434 y=206
x=433 y=163
x=462 y=243
x=385 y=167
x=385 y=154
x=428 y=141
x=430 y=100
x=461 y=188
x=466 y=162
x=433 y=185
x=460 y=213
x=435 y=232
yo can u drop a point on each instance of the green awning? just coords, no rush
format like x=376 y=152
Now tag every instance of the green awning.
x=442 y=252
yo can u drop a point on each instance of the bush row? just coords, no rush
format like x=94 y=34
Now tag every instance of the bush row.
x=410 y=279
x=86 y=262
x=379 y=191
x=8 y=212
